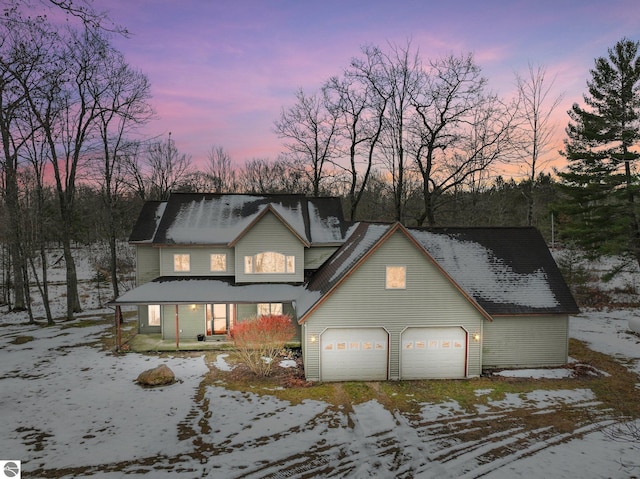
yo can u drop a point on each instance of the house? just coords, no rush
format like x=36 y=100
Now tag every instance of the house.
x=372 y=301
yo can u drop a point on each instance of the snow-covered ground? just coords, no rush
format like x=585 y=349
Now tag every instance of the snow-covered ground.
x=70 y=409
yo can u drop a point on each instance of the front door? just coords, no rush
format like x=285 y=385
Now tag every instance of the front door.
x=219 y=318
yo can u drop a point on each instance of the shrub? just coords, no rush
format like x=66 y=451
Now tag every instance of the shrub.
x=259 y=340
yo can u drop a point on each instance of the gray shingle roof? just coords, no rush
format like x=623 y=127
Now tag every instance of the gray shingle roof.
x=148 y=221
x=504 y=270
x=208 y=218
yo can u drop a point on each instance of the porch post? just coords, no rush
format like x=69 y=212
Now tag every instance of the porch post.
x=177 y=329
x=118 y=319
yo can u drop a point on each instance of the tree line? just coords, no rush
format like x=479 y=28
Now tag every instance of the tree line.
x=395 y=136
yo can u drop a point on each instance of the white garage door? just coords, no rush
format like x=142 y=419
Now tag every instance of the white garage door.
x=433 y=353
x=354 y=354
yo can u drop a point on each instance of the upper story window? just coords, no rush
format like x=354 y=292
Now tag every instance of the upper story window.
x=219 y=262
x=396 y=277
x=182 y=262
x=269 y=262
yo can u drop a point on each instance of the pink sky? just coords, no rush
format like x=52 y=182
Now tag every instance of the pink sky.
x=221 y=71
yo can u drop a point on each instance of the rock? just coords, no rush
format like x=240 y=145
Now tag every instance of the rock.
x=160 y=376
x=634 y=325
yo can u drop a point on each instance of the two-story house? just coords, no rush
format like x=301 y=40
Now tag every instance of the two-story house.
x=371 y=301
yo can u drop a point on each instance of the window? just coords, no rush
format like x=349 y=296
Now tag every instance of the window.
x=154 y=315
x=269 y=308
x=181 y=262
x=396 y=277
x=269 y=262
x=218 y=262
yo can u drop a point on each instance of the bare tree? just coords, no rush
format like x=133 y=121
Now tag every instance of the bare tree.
x=536 y=126
x=360 y=117
x=25 y=45
x=460 y=129
x=309 y=126
x=392 y=79
x=220 y=174
x=167 y=168
x=124 y=106
x=279 y=176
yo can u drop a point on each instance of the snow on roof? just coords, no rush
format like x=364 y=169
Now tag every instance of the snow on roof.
x=324 y=229
x=345 y=258
x=187 y=290
x=221 y=218
x=485 y=276
x=210 y=220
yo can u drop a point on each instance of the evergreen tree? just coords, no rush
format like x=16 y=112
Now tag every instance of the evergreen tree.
x=600 y=185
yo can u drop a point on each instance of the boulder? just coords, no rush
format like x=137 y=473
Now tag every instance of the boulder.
x=634 y=325
x=160 y=376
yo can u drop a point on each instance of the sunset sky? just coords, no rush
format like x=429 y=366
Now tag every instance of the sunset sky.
x=222 y=70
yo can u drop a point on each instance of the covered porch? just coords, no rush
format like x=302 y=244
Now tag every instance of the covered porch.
x=196 y=313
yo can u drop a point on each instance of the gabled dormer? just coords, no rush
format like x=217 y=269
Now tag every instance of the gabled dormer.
x=250 y=238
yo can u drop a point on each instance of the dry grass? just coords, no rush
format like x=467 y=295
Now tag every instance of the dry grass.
x=615 y=391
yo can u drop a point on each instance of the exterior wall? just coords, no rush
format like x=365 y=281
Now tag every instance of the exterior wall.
x=192 y=322
x=526 y=341
x=147 y=263
x=246 y=311
x=143 y=321
x=363 y=301
x=315 y=257
x=200 y=261
x=269 y=234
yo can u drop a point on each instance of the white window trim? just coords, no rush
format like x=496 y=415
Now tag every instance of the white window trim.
x=289 y=264
x=398 y=267
x=224 y=259
x=159 y=316
x=180 y=270
x=273 y=308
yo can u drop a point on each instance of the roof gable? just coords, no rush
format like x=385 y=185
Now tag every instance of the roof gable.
x=220 y=219
x=500 y=270
x=364 y=240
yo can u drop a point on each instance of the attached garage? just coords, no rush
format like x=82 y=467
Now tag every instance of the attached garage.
x=360 y=354
x=432 y=352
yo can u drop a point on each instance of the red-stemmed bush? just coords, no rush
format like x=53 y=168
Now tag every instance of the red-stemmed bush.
x=260 y=339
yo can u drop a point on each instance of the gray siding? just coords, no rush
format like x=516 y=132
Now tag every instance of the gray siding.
x=315 y=257
x=147 y=263
x=191 y=322
x=362 y=301
x=526 y=341
x=200 y=261
x=143 y=321
x=269 y=234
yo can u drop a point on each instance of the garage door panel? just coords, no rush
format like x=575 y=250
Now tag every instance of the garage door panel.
x=430 y=353
x=354 y=354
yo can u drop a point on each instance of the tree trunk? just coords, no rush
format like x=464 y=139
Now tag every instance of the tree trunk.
x=114 y=263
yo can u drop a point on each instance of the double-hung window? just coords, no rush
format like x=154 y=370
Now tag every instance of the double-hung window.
x=218 y=262
x=182 y=262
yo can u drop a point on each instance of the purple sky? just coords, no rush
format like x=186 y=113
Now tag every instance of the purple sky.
x=222 y=70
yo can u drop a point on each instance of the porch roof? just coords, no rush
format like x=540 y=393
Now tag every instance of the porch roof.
x=190 y=290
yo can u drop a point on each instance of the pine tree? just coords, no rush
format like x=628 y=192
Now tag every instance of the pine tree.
x=600 y=186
